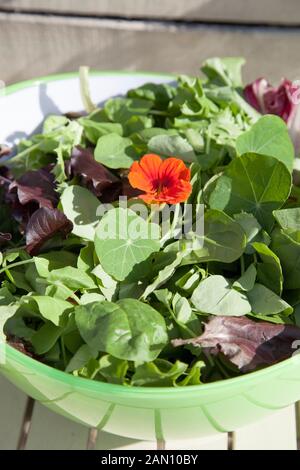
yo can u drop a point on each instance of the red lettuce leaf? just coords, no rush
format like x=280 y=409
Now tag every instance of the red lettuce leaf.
x=36 y=187
x=4 y=151
x=43 y=225
x=246 y=343
x=93 y=175
x=5 y=237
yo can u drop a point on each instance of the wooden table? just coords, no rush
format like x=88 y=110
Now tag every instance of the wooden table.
x=39 y=37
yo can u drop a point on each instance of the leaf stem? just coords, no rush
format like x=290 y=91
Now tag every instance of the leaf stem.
x=15 y=265
x=242 y=264
x=63 y=350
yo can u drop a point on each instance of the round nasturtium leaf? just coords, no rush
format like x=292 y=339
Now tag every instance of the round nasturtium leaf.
x=124 y=239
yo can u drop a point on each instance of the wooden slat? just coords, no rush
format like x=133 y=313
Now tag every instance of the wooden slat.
x=34 y=46
x=218 y=10
x=276 y=432
x=12 y=407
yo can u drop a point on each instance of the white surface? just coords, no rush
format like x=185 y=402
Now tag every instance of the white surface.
x=21 y=113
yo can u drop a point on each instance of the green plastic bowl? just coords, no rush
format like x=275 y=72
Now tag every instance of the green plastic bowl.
x=136 y=412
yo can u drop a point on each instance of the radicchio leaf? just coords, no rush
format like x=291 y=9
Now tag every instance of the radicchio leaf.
x=36 y=186
x=43 y=225
x=94 y=176
x=246 y=343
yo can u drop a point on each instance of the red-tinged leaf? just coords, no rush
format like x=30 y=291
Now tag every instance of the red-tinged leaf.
x=43 y=225
x=4 y=151
x=93 y=175
x=246 y=343
x=5 y=237
x=36 y=186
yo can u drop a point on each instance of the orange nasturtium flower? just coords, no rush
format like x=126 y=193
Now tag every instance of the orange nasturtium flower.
x=163 y=181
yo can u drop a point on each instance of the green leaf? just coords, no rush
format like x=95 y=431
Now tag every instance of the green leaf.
x=223 y=240
x=160 y=373
x=247 y=280
x=193 y=375
x=215 y=296
x=72 y=278
x=121 y=109
x=268 y=136
x=45 y=338
x=225 y=70
x=81 y=206
x=115 y=151
x=128 y=329
x=124 y=239
x=90 y=297
x=253 y=231
x=113 y=370
x=52 y=309
x=8 y=307
x=54 y=260
x=269 y=272
x=265 y=302
x=94 y=130
x=107 y=285
x=288 y=219
x=288 y=251
x=163 y=276
x=252 y=183
x=172 y=146
x=80 y=358
x=54 y=122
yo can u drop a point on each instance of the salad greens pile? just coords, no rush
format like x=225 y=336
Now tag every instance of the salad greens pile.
x=160 y=313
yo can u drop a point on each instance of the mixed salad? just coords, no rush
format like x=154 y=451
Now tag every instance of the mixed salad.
x=96 y=288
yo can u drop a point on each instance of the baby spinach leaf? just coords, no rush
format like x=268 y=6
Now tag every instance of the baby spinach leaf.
x=113 y=370
x=128 y=329
x=247 y=280
x=124 y=239
x=265 y=302
x=8 y=307
x=269 y=271
x=52 y=309
x=268 y=136
x=80 y=358
x=115 y=151
x=252 y=183
x=172 y=146
x=223 y=240
x=215 y=296
x=288 y=251
x=288 y=219
x=72 y=278
x=253 y=231
x=121 y=109
x=45 y=338
x=94 y=130
x=81 y=206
